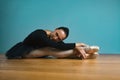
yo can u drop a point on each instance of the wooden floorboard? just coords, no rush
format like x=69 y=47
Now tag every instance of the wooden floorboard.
x=105 y=67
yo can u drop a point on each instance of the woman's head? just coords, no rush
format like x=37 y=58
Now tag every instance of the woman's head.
x=59 y=34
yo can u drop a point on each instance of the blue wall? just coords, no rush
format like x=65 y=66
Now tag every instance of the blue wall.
x=95 y=22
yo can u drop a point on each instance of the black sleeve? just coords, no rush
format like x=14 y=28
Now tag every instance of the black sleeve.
x=38 y=36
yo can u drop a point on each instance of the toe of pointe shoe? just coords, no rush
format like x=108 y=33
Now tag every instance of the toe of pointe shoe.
x=96 y=48
x=92 y=56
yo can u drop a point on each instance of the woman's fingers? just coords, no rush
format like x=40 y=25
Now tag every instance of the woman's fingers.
x=80 y=52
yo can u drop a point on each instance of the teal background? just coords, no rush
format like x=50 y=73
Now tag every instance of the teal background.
x=94 y=22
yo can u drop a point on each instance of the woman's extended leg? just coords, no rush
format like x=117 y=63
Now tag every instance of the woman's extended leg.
x=58 y=53
x=36 y=53
x=49 y=52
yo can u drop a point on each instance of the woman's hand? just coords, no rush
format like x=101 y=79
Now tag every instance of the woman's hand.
x=80 y=52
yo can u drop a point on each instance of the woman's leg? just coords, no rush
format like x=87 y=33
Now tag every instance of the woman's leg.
x=49 y=52
x=89 y=52
x=36 y=53
x=57 y=53
x=18 y=50
x=61 y=54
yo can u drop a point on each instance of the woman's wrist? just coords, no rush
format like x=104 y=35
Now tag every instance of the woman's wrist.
x=80 y=45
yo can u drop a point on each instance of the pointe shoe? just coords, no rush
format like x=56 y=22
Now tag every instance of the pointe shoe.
x=95 y=48
x=92 y=49
x=92 y=56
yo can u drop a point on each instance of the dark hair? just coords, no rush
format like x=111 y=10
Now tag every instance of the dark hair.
x=65 y=29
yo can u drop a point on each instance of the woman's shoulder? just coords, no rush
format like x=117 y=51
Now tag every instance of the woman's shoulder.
x=48 y=32
x=42 y=32
x=39 y=30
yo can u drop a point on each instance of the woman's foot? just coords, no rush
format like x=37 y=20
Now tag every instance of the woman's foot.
x=92 y=56
x=91 y=49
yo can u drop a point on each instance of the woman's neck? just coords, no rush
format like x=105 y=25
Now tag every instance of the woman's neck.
x=48 y=32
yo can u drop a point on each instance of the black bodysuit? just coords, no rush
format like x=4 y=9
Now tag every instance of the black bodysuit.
x=37 y=39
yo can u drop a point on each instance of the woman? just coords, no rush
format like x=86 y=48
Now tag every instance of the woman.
x=42 y=43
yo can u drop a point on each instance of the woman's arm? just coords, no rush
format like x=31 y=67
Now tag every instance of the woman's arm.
x=39 y=37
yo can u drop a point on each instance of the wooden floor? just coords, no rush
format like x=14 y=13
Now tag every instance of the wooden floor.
x=105 y=67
